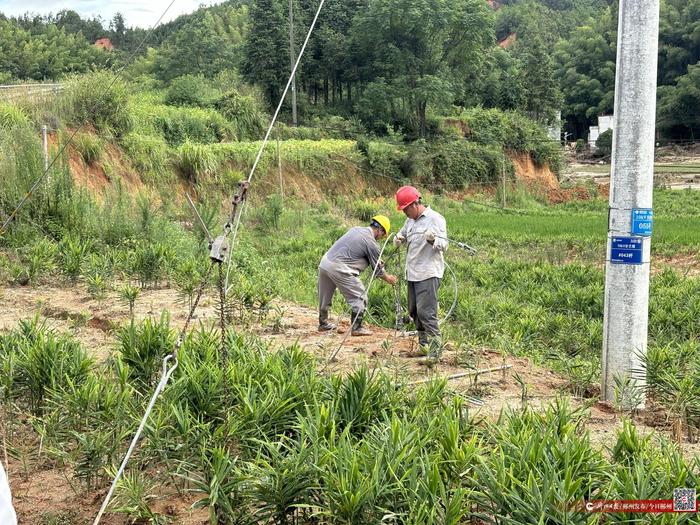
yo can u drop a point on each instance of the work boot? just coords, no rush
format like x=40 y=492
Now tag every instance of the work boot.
x=434 y=352
x=323 y=324
x=357 y=328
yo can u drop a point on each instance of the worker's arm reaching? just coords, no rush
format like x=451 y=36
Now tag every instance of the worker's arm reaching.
x=378 y=264
x=391 y=279
x=400 y=237
x=436 y=235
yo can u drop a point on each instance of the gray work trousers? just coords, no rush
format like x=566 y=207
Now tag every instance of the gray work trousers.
x=332 y=275
x=423 y=308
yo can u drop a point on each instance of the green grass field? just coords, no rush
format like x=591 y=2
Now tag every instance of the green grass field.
x=659 y=167
x=525 y=228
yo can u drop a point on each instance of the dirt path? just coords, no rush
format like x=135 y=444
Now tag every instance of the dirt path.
x=93 y=323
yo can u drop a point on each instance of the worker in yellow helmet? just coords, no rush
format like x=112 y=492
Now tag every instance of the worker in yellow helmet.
x=341 y=266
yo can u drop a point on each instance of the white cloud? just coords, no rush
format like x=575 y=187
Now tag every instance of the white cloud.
x=136 y=12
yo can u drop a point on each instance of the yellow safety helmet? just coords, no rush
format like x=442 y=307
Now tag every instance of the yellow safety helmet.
x=383 y=221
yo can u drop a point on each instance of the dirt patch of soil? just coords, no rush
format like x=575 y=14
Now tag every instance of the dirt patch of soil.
x=508 y=41
x=459 y=125
x=603 y=190
x=92 y=322
x=560 y=195
x=688 y=264
x=51 y=492
x=538 y=178
x=94 y=176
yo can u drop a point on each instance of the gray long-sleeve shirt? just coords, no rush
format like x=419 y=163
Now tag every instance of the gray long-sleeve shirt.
x=425 y=260
x=357 y=249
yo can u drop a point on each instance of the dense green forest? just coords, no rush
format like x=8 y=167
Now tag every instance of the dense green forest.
x=392 y=73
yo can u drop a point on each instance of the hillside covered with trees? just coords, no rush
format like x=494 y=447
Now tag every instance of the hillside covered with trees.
x=391 y=73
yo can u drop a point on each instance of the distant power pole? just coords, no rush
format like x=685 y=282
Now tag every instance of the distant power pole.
x=630 y=216
x=45 y=146
x=292 y=60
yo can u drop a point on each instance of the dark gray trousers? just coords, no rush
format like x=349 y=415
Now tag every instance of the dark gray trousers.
x=332 y=276
x=423 y=308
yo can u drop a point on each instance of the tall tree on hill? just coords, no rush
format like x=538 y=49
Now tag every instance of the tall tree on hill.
x=49 y=54
x=328 y=69
x=498 y=84
x=678 y=114
x=206 y=44
x=541 y=88
x=266 y=51
x=421 y=51
x=586 y=69
x=118 y=30
x=679 y=38
x=71 y=21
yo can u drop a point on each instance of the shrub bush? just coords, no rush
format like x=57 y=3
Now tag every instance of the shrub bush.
x=196 y=160
x=188 y=90
x=142 y=347
x=604 y=143
x=511 y=131
x=204 y=126
x=179 y=124
x=386 y=159
x=88 y=146
x=36 y=361
x=148 y=153
x=309 y=155
x=461 y=162
x=364 y=210
x=102 y=100
x=12 y=116
x=271 y=212
x=245 y=113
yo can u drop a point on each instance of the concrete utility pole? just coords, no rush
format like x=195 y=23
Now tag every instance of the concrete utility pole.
x=292 y=60
x=631 y=183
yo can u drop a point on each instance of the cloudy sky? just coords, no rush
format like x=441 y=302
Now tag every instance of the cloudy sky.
x=140 y=13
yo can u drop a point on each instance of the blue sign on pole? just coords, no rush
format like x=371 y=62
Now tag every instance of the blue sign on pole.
x=642 y=221
x=626 y=250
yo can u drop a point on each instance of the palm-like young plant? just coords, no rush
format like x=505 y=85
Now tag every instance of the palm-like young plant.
x=129 y=294
x=282 y=480
x=142 y=347
x=221 y=482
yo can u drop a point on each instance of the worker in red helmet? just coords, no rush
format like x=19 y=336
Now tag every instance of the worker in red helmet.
x=425 y=235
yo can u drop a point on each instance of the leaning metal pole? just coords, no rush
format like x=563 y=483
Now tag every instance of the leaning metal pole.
x=631 y=182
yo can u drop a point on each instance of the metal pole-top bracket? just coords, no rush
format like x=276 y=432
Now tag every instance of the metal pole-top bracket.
x=218 y=249
x=242 y=192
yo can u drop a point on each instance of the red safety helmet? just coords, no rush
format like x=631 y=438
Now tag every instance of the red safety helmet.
x=406 y=196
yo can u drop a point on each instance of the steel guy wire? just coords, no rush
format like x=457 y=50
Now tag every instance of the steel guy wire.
x=41 y=177
x=165 y=376
x=264 y=142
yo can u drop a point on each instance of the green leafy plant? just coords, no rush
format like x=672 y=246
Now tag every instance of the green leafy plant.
x=73 y=251
x=39 y=361
x=142 y=347
x=196 y=161
x=132 y=497
x=129 y=294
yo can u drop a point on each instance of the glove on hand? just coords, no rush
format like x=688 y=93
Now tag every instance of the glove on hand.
x=430 y=236
x=399 y=240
